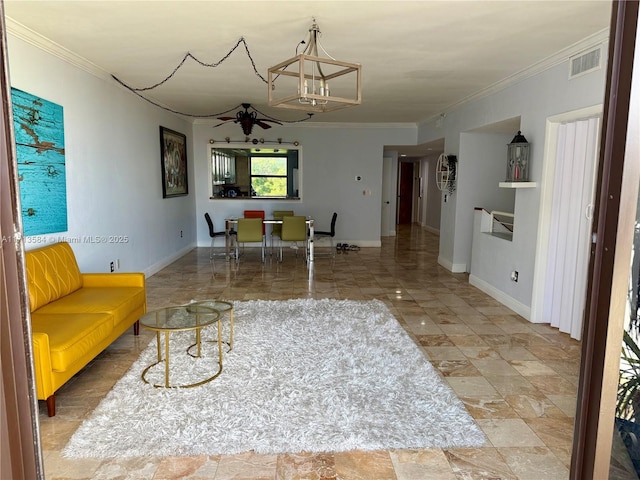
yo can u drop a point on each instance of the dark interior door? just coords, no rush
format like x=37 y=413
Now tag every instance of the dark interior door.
x=405 y=194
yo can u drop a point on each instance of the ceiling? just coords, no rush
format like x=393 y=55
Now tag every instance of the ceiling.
x=418 y=57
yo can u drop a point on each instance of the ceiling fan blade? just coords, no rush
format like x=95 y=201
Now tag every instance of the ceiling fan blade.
x=226 y=118
x=262 y=124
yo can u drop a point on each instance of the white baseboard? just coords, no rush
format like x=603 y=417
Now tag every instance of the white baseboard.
x=360 y=243
x=368 y=243
x=156 y=267
x=432 y=230
x=324 y=242
x=509 y=302
x=452 y=267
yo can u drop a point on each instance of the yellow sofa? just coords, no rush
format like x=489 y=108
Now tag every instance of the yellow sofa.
x=75 y=316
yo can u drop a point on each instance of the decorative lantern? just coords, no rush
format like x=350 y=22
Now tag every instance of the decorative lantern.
x=518 y=159
x=303 y=80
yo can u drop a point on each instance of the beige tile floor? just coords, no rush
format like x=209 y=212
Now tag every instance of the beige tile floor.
x=517 y=379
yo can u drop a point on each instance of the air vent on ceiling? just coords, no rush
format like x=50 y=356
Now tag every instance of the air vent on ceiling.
x=584 y=63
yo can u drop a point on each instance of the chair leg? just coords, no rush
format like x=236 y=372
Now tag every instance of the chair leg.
x=51 y=405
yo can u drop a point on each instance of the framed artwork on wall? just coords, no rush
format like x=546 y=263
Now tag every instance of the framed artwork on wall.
x=39 y=137
x=173 y=158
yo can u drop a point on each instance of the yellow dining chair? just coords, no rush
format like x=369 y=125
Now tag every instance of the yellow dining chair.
x=276 y=227
x=294 y=229
x=255 y=214
x=249 y=230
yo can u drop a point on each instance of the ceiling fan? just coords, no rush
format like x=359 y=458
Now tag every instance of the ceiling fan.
x=248 y=119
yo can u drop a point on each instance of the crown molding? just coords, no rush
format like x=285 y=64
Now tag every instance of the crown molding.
x=557 y=58
x=29 y=36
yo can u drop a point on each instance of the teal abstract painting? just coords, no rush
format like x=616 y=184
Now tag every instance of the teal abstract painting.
x=39 y=132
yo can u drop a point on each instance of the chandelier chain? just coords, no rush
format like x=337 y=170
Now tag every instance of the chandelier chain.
x=208 y=65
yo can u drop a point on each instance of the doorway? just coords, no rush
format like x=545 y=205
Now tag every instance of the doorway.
x=565 y=219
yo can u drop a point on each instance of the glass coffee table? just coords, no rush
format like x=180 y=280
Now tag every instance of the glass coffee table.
x=222 y=307
x=182 y=318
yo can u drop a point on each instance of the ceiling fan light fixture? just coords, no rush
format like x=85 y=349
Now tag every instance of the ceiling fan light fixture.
x=247 y=119
x=315 y=84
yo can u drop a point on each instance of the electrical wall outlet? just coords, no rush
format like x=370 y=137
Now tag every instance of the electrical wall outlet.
x=514 y=276
x=112 y=266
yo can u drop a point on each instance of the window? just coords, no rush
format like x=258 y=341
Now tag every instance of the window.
x=241 y=172
x=223 y=168
x=269 y=176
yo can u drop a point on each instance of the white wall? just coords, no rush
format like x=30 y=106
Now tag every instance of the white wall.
x=112 y=155
x=449 y=207
x=533 y=100
x=331 y=158
x=488 y=268
x=431 y=195
x=485 y=166
x=389 y=194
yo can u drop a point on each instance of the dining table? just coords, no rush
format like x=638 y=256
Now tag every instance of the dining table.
x=229 y=223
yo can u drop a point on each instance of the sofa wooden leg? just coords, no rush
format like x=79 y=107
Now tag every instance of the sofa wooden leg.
x=136 y=327
x=51 y=405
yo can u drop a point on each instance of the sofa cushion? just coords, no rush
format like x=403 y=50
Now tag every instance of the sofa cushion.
x=71 y=335
x=120 y=302
x=52 y=273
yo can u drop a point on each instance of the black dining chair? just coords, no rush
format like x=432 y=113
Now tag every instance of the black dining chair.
x=213 y=234
x=330 y=234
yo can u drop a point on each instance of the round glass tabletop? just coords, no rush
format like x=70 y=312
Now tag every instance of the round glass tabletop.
x=219 y=305
x=182 y=317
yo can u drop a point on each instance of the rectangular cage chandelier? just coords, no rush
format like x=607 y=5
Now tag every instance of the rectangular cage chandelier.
x=315 y=84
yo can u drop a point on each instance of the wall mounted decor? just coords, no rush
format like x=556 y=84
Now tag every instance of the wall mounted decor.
x=173 y=158
x=518 y=159
x=446 y=168
x=39 y=135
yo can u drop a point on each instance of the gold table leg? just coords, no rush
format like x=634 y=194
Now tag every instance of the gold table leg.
x=220 y=343
x=198 y=343
x=230 y=330
x=166 y=359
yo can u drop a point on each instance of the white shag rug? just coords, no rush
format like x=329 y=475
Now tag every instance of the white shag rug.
x=304 y=375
